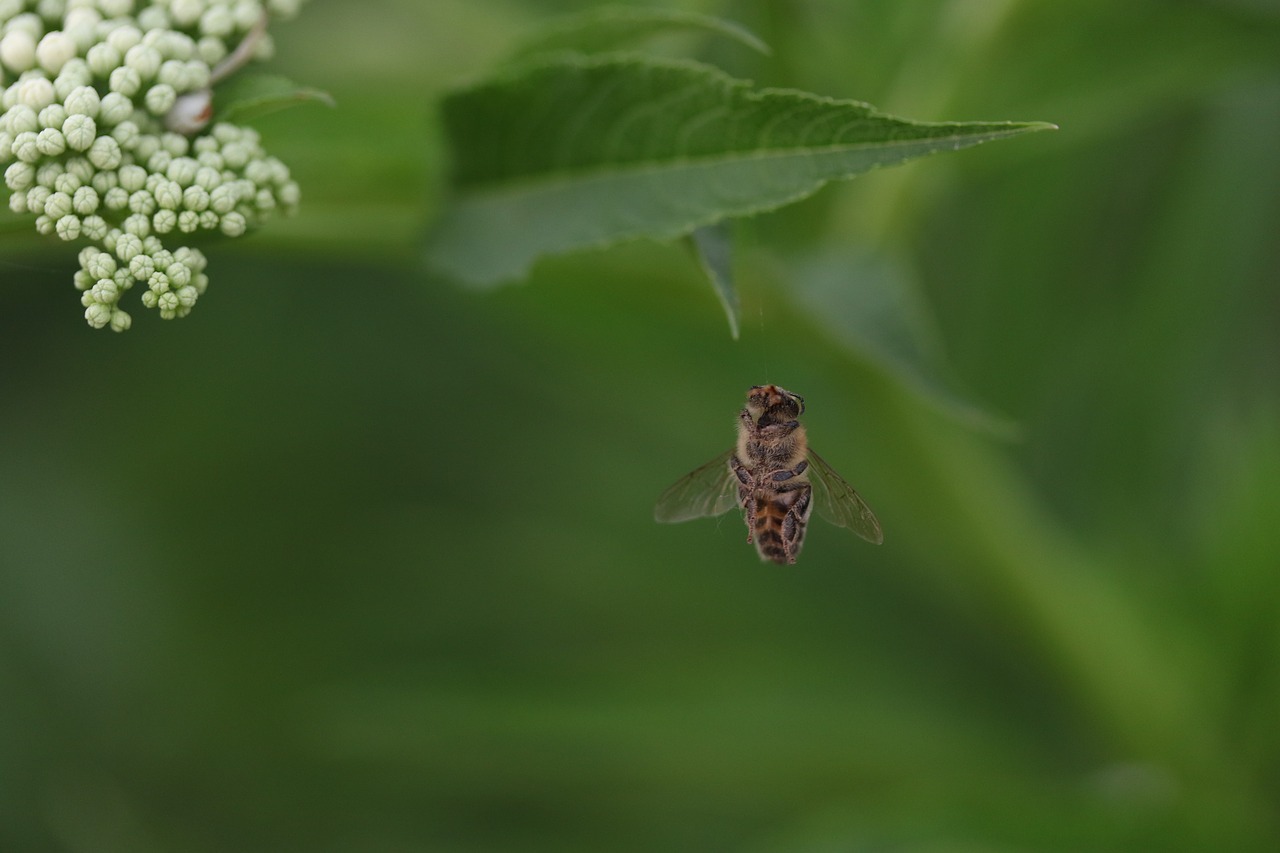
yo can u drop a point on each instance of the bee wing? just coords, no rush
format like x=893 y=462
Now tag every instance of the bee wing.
x=706 y=491
x=839 y=504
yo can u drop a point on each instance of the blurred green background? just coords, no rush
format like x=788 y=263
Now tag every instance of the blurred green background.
x=350 y=560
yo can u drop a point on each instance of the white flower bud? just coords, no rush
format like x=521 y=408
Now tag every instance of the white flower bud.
x=85 y=201
x=35 y=92
x=66 y=183
x=158 y=162
x=132 y=177
x=178 y=273
x=168 y=303
x=173 y=73
x=224 y=132
x=120 y=321
x=18 y=50
x=144 y=59
x=193 y=258
x=115 y=8
x=142 y=202
x=179 y=46
x=36 y=197
x=265 y=48
x=128 y=247
x=175 y=143
x=116 y=198
x=84 y=101
x=126 y=133
x=141 y=267
x=223 y=199
x=88 y=258
x=233 y=224
x=160 y=98
x=18 y=202
x=21 y=117
x=259 y=172
x=211 y=50
x=236 y=155
x=212 y=159
x=20 y=175
x=207 y=178
x=217 y=21
x=188 y=221
x=186 y=12
x=74 y=74
x=105 y=290
x=168 y=195
x=81 y=23
x=105 y=153
x=195 y=198
x=146 y=146
x=98 y=315
x=164 y=221
x=57 y=205
x=123 y=37
x=284 y=8
x=53 y=116
x=104 y=179
x=125 y=80
x=94 y=227
x=44 y=226
x=81 y=168
x=247 y=13
x=103 y=59
x=51 y=142
x=198 y=74
x=68 y=227
x=182 y=170
x=115 y=109
x=54 y=50
x=80 y=132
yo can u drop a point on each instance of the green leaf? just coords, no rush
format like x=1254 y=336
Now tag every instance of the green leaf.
x=582 y=152
x=872 y=305
x=247 y=96
x=714 y=247
x=604 y=29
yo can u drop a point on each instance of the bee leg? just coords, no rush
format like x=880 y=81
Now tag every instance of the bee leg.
x=783 y=475
x=793 y=523
x=744 y=491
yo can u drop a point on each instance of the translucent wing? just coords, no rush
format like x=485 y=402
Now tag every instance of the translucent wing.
x=709 y=490
x=839 y=504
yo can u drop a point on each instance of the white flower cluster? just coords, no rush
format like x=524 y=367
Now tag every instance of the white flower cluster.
x=88 y=89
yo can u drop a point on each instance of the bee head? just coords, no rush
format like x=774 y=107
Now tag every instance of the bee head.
x=773 y=404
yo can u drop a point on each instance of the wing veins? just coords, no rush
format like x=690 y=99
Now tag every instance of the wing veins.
x=840 y=504
x=704 y=492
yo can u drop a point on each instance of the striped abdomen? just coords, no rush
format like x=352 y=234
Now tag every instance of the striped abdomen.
x=777 y=520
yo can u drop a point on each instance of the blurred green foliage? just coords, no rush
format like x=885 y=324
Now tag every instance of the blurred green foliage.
x=351 y=561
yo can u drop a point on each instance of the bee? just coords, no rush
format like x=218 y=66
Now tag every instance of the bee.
x=774 y=477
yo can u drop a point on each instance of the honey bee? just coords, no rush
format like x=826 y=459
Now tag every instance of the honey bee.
x=774 y=477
